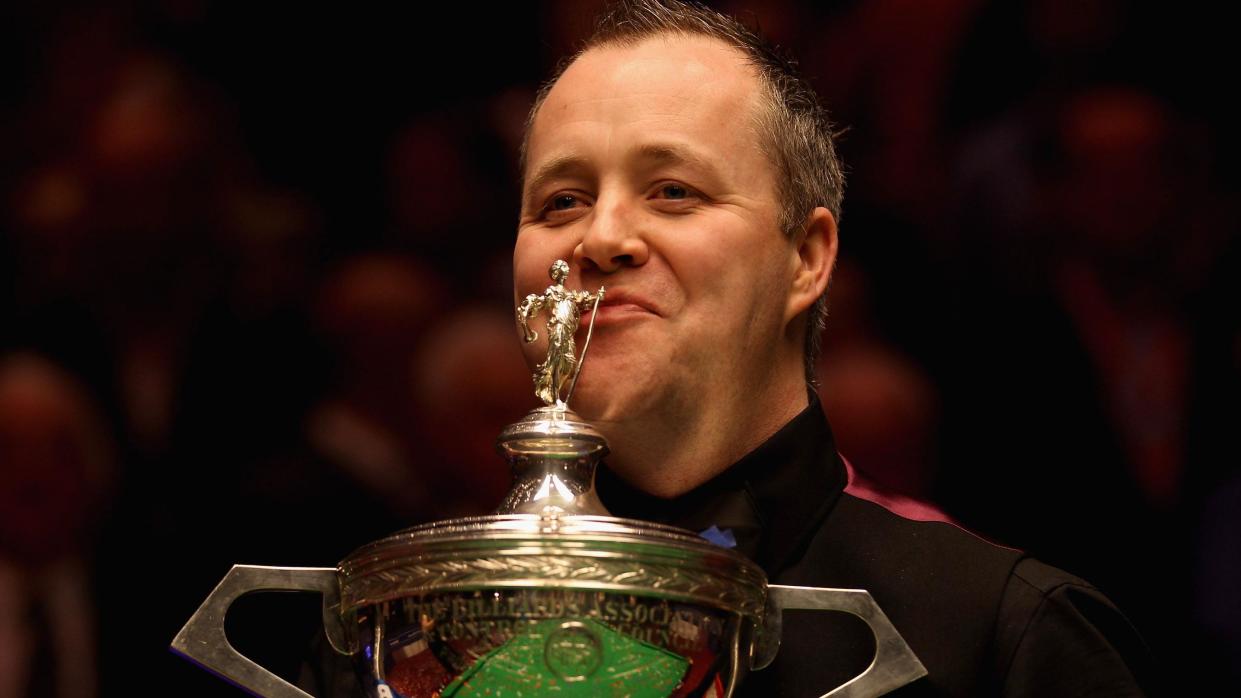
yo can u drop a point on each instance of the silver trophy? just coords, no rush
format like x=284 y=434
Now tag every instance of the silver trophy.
x=551 y=595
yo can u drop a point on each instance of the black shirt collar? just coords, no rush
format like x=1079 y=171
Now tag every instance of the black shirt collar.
x=770 y=500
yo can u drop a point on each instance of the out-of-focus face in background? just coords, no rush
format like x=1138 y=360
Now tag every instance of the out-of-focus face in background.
x=644 y=171
x=54 y=462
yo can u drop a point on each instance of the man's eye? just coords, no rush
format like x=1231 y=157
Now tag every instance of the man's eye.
x=562 y=202
x=676 y=192
x=673 y=191
x=563 y=206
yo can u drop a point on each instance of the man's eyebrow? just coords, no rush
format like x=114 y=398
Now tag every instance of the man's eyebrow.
x=672 y=154
x=556 y=167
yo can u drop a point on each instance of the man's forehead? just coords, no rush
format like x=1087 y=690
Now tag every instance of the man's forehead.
x=659 y=80
x=629 y=64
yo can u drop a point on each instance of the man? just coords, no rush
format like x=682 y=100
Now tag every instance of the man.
x=681 y=163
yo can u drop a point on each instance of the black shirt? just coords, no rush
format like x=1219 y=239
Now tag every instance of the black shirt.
x=982 y=618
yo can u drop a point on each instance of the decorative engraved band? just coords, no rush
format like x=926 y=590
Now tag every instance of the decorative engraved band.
x=652 y=566
x=552 y=572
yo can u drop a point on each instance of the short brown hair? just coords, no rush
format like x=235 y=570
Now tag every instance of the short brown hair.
x=794 y=127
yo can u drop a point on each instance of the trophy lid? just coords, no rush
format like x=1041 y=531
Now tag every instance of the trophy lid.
x=551 y=430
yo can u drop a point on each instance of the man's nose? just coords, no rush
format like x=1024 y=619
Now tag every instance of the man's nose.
x=613 y=240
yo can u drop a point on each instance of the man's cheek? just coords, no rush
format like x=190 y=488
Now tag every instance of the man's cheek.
x=533 y=254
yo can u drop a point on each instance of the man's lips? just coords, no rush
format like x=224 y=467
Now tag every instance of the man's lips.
x=619 y=302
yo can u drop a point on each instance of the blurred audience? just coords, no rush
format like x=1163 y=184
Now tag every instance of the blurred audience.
x=1110 y=242
x=257 y=298
x=471 y=380
x=883 y=408
x=56 y=475
x=374 y=311
x=1133 y=251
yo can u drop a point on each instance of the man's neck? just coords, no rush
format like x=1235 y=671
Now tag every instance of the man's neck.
x=667 y=455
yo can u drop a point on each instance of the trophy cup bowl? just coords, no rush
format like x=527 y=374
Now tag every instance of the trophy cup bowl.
x=524 y=605
x=549 y=596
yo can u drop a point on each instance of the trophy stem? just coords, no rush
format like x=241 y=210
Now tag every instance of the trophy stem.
x=553 y=455
x=549 y=486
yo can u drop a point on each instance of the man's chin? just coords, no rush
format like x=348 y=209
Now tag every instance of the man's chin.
x=618 y=381
x=601 y=400
x=595 y=406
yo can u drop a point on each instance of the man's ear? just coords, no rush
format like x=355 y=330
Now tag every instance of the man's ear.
x=815 y=248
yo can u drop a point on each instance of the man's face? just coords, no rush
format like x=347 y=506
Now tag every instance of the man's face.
x=645 y=173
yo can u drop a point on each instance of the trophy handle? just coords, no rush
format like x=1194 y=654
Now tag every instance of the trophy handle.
x=203 y=641
x=894 y=664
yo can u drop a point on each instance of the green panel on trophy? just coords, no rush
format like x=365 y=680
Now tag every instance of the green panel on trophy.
x=575 y=659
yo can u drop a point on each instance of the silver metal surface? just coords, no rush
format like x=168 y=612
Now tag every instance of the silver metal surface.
x=594 y=553
x=565 y=310
x=894 y=664
x=202 y=640
x=553 y=456
x=581 y=553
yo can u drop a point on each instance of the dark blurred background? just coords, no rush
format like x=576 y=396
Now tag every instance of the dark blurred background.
x=256 y=301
